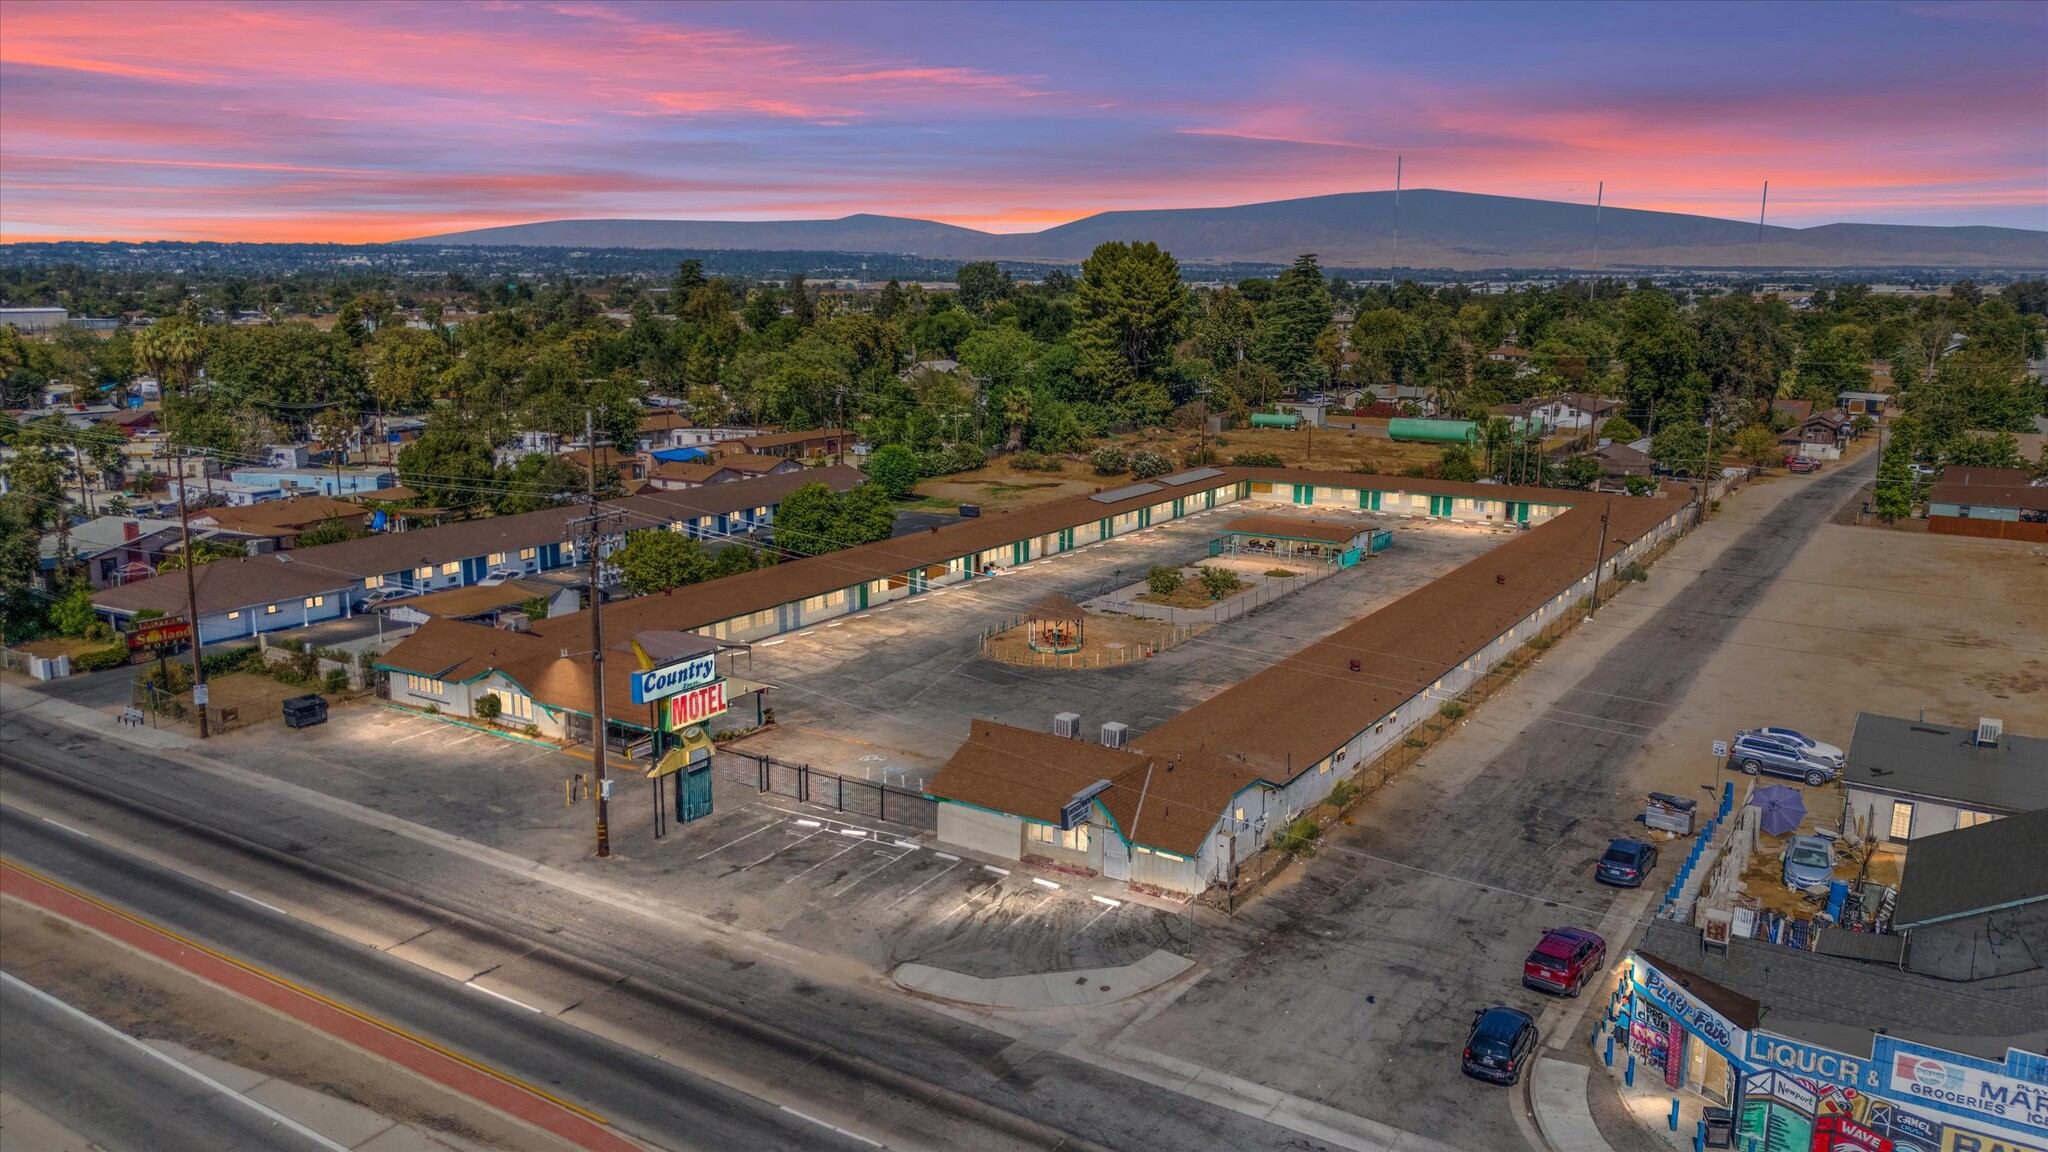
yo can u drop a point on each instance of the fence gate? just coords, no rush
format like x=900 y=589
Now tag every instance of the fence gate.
x=1116 y=857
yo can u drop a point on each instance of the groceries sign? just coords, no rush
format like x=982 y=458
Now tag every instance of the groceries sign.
x=696 y=705
x=1955 y=1084
x=669 y=679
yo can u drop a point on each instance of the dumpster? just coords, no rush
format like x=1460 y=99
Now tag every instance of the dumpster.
x=305 y=711
x=970 y=511
x=1673 y=814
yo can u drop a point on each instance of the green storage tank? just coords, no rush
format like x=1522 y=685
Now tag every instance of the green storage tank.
x=1268 y=420
x=1433 y=431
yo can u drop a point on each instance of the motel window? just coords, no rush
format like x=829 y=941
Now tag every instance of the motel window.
x=1073 y=839
x=528 y=553
x=514 y=705
x=426 y=572
x=495 y=558
x=316 y=601
x=373 y=581
x=451 y=568
x=1902 y=820
x=1240 y=815
x=1322 y=768
x=424 y=685
x=1968 y=819
x=270 y=609
x=235 y=615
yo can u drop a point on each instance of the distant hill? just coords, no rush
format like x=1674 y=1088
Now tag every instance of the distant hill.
x=1455 y=230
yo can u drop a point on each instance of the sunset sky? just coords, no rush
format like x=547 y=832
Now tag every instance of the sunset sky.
x=379 y=121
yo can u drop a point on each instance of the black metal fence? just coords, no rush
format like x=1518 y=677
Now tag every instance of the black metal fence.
x=816 y=786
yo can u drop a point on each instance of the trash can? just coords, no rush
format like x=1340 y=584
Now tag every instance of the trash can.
x=1719 y=1125
x=305 y=711
x=1673 y=814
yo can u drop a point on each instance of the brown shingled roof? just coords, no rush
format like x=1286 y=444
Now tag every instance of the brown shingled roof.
x=1055 y=607
x=224 y=586
x=1027 y=773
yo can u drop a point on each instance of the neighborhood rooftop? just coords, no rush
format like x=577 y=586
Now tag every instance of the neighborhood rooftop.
x=1985 y=868
x=1932 y=759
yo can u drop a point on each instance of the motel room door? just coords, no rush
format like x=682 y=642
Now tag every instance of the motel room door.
x=1116 y=856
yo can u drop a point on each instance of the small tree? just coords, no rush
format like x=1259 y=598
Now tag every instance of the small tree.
x=73 y=614
x=1619 y=430
x=329 y=531
x=1145 y=465
x=895 y=468
x=1110 y=461
x=1456 y=464
x=1164 y=581
x=488 y=706
x=536 y=608
x=1219 y=582
x=1861 y=426
x=1756 y=445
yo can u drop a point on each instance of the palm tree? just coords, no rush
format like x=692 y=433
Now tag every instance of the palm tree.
x=1017 y=413
x=170 y=349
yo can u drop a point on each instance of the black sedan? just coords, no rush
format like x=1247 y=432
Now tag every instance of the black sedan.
x=1626 y=864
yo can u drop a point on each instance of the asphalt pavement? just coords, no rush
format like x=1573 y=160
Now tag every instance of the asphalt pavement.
x=123 y=1095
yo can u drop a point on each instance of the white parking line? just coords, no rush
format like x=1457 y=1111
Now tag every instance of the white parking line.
x=886 y=608
x=875 y=832
x=993 y=869
x=770 y=643
x=777 y=852
x=862 y=878
x=946 y=856
x=1093 y=919
x=417 y=735
x=808 y=632
x=914 y=891
x=67 y=827
x=809 y=823
x=907 y=844
x=830 y=1127
x=860 y=832
x=505 y=998
x=834 y=623
x=730 y=843
x=863 y=615
x=1107 y=902
x=826 y=860
x=1042 y=882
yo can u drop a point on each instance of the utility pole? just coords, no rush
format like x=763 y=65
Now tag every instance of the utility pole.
x=596 y=523
x=192 y=604
x=1707 y=468
x=1600 y=560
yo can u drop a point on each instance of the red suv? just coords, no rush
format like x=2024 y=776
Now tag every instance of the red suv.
x=1565 y=961
x=1802 y=464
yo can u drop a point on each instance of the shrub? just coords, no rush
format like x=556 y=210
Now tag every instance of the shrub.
x=488 y=707
x=1164 y=581
x=337 y=681
x=1299 y=837
x=100 y=659
x=232 y=660
x=1639 y=485
x=953 y=458
x=530 y=730
x=1451 y=710
x=1279 y=573
x=1258 y=460
x=1219 y=582
x=1633 y=572
x=1541 y=643
x=1342 y=794
x=896 y=468
x=1110 y=461
x=1036 y=462
x=432 y=709
x=1145 y=465
x=1197 y=457
x=1413 y=742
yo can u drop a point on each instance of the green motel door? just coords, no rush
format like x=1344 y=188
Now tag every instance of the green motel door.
x=693 y=797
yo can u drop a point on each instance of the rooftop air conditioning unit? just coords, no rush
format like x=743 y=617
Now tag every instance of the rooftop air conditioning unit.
x=515 y=622
x=1115 y=735
x=1989 y=731
x=1067 y=724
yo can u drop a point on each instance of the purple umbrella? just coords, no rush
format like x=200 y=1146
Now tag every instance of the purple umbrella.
x=1783 y=807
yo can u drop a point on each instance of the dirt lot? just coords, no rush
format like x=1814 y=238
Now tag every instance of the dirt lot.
x=1877 y=621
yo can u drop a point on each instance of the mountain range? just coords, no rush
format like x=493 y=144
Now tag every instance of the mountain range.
x=1452 y=230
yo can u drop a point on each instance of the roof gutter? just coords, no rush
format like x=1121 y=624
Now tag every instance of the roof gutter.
x=1985 y=911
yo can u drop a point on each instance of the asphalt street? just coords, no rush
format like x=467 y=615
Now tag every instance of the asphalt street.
x=121 y=1094
x=1368 y=966
x=677 y=1036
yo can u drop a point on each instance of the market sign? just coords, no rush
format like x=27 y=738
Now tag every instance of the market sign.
x=696 y=705
x=1963 y=1086
x=669 y=679
x=151 y=637
x=1717 y=1030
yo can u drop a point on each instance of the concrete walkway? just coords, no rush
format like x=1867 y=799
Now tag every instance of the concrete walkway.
x=1072 y=989
x=1557 y=1097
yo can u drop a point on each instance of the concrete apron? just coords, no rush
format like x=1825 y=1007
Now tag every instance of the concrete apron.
x=1074 y=988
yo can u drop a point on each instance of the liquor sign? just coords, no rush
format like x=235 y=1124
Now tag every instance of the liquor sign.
x=696 y=705
x=152 y=637
x=669 y=679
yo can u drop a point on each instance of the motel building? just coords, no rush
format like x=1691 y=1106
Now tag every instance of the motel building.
x=1670 y=1032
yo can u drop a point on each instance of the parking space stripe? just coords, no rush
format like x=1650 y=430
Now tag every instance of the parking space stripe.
x=826 y=860
x=920 y=887
x=777 y=852
x=730 y=843
x=858 y=880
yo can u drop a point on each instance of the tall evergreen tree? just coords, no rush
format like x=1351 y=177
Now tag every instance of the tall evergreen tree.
x=1128 y=310
x=1291 y=320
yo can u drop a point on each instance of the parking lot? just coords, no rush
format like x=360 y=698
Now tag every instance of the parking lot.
x=888 y=693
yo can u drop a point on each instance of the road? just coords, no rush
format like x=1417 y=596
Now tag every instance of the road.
x=1370 y=963
x=678 y=1036
x=121 y=1094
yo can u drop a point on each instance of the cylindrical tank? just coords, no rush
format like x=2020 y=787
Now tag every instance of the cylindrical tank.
x=1269 y=420
x=1433 y=431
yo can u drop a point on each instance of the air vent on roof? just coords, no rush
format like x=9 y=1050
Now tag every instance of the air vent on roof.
x=1067 y=724
x=1989 y=731
x=1115 y=735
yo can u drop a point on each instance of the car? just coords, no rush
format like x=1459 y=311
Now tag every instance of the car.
x=379 y=597
x=497 y=576
x=1802 y=464
x=1814 y=749
x=1564 y=961
x=1626 y=863
x=1809 y=860
x=1755 y=753
x=1501 y=1045
x=1923 y=470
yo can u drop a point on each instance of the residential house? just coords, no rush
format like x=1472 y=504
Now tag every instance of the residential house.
x=667 y=429
x=631 y=468
x=213 y=490
x=1871 y=404
x=1912 y=778
x=1967 y=894
x=1623 y=460
x=1509 y=354
x=669 y=476
x=137 y=423
x=2000 y=503
x=1818 y=437
x=1566 y=411
x=113 y=549
x=1795 y=410
x=325 y=481
x=276 y=524
x=798 y=445
x=237 y=597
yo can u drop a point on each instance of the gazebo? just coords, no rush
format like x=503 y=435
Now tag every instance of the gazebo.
x=1054 y=625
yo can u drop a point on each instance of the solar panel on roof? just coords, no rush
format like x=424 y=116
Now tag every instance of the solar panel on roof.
x=1180 y=478
x=1125 y=493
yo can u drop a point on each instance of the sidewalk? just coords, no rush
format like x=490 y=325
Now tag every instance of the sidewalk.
x=1079 y=988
